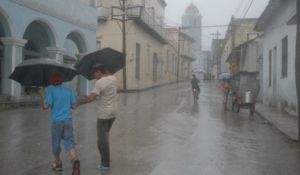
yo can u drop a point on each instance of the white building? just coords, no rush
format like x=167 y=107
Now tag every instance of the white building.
x=240 y=30
x=279 y=87
x=191 y=24
x=150 y=58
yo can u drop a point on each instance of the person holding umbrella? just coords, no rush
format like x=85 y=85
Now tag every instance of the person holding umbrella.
x=60 y=100
x=101 y=65
x=106 y=88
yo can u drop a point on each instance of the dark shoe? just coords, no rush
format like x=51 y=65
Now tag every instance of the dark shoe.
x=76 y=167
x=57 y=166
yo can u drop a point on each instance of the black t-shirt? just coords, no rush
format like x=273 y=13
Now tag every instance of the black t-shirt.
x=195 y=82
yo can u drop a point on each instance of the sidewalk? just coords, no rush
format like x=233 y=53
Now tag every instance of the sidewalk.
x=286 y=123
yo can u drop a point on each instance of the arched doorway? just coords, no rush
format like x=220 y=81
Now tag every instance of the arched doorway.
x=39 y=36
x=75 y=46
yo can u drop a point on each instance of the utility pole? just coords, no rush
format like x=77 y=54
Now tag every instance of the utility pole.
x=297 y=64
x=123 y=8
x=178 y=52
x=123 y=18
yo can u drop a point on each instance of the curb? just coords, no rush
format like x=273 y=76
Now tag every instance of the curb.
x=148 y=88
x=277 y=128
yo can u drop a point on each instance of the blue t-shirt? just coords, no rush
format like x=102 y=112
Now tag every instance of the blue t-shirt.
x=60 y=100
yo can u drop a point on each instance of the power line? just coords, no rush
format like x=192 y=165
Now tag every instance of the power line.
x=239 y=7
x=248 y=8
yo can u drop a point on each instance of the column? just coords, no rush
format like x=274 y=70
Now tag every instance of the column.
x=56 y=53
x=85 y=86
x=12 y=56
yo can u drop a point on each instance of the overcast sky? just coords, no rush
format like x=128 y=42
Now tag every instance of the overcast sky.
x=214 y=12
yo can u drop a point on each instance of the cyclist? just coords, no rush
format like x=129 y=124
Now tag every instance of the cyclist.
x=195 y=85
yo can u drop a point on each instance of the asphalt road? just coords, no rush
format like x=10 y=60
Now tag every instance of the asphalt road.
x=157 y=132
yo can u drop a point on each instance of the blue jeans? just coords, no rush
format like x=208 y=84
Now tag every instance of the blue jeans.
x=62 y=131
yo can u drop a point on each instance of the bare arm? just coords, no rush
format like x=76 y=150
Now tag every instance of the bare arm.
x=88 y=99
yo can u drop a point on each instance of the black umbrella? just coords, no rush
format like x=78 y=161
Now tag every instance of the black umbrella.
x=37 y=72
x=111 y=60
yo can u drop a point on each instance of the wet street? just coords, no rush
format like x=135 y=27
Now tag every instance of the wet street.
x=157 y=132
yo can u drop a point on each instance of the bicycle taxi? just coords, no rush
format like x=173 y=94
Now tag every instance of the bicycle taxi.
x=244 y=90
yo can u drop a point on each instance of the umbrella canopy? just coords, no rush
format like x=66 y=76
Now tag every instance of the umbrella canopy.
x=37 y=72
x=225 y=75
x=111 y=60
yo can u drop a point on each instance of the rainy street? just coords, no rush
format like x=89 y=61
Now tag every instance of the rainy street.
x=158 y=132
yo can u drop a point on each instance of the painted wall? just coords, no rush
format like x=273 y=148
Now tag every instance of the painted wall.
x=59 y=22
x=251 y=52
x=160 y=66
x=282 y=92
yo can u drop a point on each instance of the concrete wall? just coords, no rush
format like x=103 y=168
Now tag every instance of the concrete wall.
x=227 y=48
x=251 y=52
x=282 y=92
x=241 y=32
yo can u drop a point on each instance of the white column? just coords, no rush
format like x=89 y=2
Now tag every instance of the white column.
x=56 y=53
x=12 y=56
x=85 y=85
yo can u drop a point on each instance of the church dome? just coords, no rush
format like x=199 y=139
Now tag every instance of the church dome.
x=192 y=10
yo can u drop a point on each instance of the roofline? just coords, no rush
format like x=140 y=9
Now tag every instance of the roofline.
x=163 y=2
x=267 y=14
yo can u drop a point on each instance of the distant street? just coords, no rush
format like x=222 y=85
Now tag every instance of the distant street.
x=157 y=132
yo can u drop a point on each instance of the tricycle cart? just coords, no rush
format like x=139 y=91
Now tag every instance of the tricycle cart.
x=244 y=91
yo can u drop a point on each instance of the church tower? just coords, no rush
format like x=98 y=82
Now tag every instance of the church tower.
x=192 y=25
x=192 y=20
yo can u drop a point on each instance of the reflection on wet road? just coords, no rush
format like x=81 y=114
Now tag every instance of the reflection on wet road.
x=157 y=132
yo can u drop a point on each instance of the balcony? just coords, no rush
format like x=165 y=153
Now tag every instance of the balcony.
x=103 y=13
x=148 y=22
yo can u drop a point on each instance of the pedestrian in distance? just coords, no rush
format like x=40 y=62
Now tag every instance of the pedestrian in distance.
x=106 y=89
x=195 y=85
x=225 y=87
x=61 y=101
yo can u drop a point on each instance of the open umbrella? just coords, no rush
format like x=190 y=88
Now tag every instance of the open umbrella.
x=112 y=60
x=225 y=75
x=37 y=72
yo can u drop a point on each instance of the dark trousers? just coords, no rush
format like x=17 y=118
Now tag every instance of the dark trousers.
x=103 y=128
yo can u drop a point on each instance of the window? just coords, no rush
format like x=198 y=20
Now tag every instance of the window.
x=270 y=68
x=148 y=58
x=137 y=61
x=284 y=57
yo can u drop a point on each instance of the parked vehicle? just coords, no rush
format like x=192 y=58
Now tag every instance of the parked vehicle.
x=244 y=91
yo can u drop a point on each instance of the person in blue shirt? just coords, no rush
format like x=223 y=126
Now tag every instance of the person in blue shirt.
x=61 y=101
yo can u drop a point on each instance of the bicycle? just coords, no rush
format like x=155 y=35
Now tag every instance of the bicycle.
x=195 y=95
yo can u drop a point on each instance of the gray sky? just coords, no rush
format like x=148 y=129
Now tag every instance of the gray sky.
x=214 y=12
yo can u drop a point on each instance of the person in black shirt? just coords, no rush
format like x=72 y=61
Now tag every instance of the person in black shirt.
x=195 y=84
